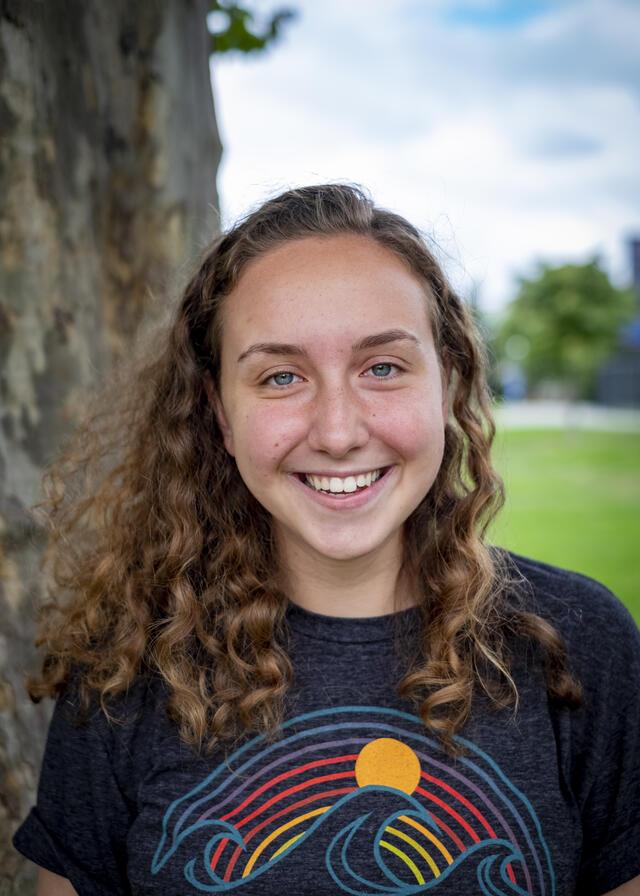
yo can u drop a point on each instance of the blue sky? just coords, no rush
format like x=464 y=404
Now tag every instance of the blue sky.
x=507 y=131
x=498 y=14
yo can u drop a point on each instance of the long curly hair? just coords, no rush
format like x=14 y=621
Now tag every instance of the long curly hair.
x=163 y=563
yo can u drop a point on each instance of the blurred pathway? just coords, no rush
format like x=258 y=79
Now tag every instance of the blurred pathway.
x=566 y=415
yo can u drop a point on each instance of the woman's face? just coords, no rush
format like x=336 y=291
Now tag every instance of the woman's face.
x=329 y=369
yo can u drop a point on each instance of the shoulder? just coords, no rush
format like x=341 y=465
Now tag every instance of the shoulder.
x=567 y=594
x=120 y=728
x=592 y=620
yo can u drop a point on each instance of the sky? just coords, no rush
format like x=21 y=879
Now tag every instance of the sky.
x=506 y=130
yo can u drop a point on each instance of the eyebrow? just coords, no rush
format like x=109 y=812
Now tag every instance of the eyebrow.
x=285 y=348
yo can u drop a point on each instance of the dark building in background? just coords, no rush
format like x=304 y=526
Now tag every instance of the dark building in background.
x=619 y=377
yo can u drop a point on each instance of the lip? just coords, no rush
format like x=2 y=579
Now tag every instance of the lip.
x=349 y=500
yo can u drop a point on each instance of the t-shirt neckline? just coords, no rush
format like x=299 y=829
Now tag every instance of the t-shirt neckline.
x=346 y=630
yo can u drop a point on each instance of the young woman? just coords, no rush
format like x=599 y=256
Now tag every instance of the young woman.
x=286 y=659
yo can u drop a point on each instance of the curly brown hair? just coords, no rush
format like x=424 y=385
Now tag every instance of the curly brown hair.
x=164 y=563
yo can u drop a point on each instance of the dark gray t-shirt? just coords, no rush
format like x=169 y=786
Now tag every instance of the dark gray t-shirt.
x=356 y=796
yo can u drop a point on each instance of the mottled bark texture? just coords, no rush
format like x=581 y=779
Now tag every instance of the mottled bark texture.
x=108 y=157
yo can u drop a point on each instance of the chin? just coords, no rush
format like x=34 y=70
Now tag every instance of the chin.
x=340 y=552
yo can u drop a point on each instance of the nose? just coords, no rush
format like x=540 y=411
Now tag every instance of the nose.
x=338 y=422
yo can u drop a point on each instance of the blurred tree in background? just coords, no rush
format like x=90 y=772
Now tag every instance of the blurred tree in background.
x=563 y=324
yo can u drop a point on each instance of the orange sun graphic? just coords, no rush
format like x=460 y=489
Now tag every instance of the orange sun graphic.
x=388 y=762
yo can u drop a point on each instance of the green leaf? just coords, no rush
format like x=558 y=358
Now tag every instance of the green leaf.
x=237 y=33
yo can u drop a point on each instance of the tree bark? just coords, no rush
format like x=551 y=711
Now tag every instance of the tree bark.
x=108 y=158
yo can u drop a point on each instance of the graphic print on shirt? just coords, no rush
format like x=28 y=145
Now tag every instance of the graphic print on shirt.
x=360 y=796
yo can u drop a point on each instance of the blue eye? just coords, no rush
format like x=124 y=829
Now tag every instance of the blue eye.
x=383 y=365
x=280 y=373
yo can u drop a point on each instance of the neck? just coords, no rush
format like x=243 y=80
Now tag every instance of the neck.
x=358 y=587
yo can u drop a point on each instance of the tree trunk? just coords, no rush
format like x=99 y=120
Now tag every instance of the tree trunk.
x=108 y=158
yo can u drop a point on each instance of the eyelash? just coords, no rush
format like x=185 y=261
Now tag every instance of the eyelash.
x=283 y=386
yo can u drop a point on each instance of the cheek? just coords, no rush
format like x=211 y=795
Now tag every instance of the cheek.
x=414 y=427
x=418 y=442
x=268 y=436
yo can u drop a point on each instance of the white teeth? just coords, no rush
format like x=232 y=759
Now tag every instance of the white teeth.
x=336 y=485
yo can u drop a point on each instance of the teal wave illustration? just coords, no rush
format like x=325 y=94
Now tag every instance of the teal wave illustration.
x=349 y=834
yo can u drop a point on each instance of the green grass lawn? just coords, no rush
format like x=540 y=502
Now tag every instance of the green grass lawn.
x=573 y=499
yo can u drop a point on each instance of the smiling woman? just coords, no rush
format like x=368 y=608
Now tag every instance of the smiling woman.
x=286 y=658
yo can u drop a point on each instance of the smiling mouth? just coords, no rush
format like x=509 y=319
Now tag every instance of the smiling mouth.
x=303 y=478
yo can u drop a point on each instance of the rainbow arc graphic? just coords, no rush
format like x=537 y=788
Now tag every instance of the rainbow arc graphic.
x=358 y=796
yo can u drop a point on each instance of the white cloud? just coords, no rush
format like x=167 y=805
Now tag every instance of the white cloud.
x=473 y=133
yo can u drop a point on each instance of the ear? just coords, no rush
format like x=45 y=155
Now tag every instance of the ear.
x=221 y=417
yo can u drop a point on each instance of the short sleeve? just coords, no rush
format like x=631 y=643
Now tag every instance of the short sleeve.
x=607 y=765
x=78 y=827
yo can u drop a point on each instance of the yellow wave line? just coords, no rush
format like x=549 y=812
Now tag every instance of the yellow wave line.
x=286 y=846
x=405 y=858
x=272 y=836
x=419 y=849
x=429 y=835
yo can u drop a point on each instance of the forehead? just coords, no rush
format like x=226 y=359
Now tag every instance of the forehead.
x=324 y=284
